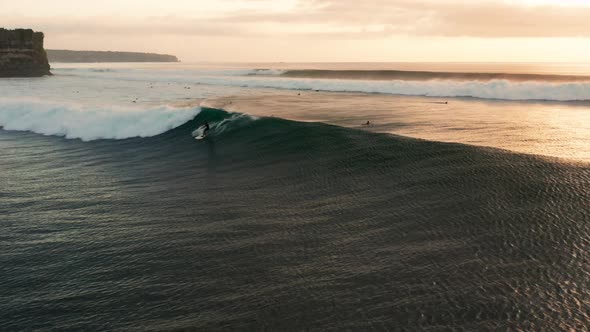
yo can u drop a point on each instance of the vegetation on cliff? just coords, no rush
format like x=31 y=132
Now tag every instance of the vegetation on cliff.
x=101 y=56
x=22 y=54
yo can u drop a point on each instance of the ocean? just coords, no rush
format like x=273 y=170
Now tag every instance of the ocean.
x=463 y=204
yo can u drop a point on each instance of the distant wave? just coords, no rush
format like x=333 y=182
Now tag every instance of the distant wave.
x=266 y=72
x=428 y=75
x=501 y=89
x=102 y=70
x=83 y=70
x=90 y=122
x=496 y=89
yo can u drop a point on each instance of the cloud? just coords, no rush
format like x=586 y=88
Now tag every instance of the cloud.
x=451 y=18
x=163 y=25
x=341 y=19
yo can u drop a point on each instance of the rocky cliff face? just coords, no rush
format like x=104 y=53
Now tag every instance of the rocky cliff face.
x=22 y=54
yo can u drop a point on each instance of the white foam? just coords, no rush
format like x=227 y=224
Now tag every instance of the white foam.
x=234 y=121
x=495 y=89
x=270 y=78
x=90 y=122
x=267 y=72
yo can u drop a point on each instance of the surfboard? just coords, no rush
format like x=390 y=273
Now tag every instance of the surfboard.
x=199 y=133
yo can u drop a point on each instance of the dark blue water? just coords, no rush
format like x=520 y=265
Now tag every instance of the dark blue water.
x=284 y=226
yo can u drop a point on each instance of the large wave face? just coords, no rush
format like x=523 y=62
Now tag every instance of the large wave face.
x=281 y=225
x=90 y=122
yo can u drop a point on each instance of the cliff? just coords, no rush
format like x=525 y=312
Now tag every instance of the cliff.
x=22 y=54
x=101 y=56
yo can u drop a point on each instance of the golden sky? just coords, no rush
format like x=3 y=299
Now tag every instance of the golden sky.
x=316 y=30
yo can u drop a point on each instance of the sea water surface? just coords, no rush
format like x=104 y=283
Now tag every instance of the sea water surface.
x=464 y=205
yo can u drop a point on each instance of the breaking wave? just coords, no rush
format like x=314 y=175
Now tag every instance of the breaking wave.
x=434 y=236
x=495 y=89
x=504 y=86
x=430 y=75
x=498 y=89
x=91 y=122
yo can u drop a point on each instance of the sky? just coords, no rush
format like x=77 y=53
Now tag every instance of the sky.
x=315 y=30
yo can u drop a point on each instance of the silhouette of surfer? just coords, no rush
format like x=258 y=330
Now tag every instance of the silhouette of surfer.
x=206 y=130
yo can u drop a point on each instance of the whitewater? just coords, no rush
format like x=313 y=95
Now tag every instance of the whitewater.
x=75 y=120
x=499 y=89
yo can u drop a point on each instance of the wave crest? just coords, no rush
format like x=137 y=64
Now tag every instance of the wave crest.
x=89 y=123
x=500 y=89
x=495 y=89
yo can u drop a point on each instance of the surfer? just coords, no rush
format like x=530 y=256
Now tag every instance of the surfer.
x=206 y=130
x=368 y=123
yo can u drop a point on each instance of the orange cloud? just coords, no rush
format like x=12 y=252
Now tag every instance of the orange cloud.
x=345 y=19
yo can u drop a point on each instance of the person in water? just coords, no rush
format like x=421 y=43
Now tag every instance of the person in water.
x=206 y=130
